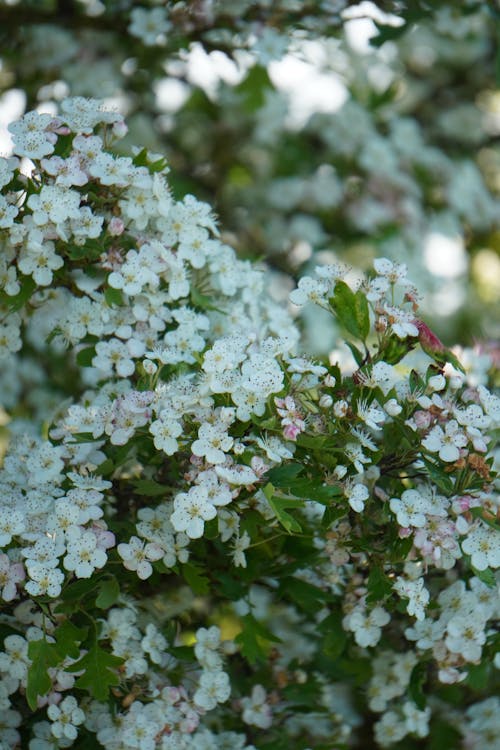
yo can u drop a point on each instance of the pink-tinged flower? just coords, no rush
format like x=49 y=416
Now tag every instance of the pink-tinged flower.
x=292 y=419
x=291 y=431
x=422 y=419
x=116 y=226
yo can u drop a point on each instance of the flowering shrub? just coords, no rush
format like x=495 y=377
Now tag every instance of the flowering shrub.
x=386 y=148
x=208 y=540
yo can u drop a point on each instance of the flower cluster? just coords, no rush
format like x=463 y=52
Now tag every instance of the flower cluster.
x=200 y=528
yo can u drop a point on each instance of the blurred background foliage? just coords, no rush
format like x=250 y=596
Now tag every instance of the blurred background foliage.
x=320 y=131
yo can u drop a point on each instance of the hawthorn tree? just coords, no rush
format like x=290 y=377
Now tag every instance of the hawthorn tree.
x=208 y=538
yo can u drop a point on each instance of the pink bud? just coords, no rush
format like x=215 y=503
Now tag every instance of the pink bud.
x=422 y=419
x=116 y=226
x=291 y=431
x=428 y=339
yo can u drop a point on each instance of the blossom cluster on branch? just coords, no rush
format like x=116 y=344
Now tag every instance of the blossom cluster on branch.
x=209 y=540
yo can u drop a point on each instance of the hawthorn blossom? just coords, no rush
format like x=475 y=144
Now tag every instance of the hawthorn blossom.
x=84 y=556
x=138 y=555
x=65 y=718
x=256 y=710
x=411 y=508
x=191 y=510
x=213 y=688
x=466 y=636
x=292 y=418
x=483 y=545
x=447 y=443
x=367 y=626
x=416 y=593
x=213 y=443
x=10 y=575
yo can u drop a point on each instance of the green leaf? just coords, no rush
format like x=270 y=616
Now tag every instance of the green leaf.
x=394 y=349
x=109 y=591
x=149 y=488
x=332 y=514
x=99 y=672
x=478 y=675
x=68 y=636
x=314 y=442
x=379 y=586
x=43 y=655
x=113 y=297
x=253 y=88
x=314 y=490
x=89 y=252
x=85 y=356
x=193 y=575
x=487 y=576
x=281 y=476
x=335 y=637
x=231 y=588
x=438 y=477
x=308 y=597
x=351 y=309
x=105 y=468
x=279 y=505
x=17 y=301
x=202 y=300
x=285 y=477
x=255 y=639
x=418 y=679
x=358 y=355
x=443 y=736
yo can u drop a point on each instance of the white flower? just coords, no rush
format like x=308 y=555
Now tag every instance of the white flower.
x=14 y=660
x=11 y=523
x=356 y=493
x=483 y=545
x=213 y=688
x=389 y=729
x=310 y=290
x=192 y=509
x=54 y=204
x=8 y=213
x=415 y=592
x=138 y=555
x=213 y=443
x=149 y=24
x=447 y=443
x=166 y=429
x=154 y=644
x=44 y=580
x=411 y=508
x=65 y=717
x=10 y=575
x=371 y=415
x=367 y=627
x=113 y=355
x=256 y=710
x=30 y=136
x=83 y=556
x=240 y=544
x=38 y=261
x=466 y=636
x=237 y=474
x=401 y=322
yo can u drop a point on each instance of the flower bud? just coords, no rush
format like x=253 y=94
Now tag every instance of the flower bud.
x=326 y=401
